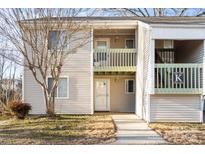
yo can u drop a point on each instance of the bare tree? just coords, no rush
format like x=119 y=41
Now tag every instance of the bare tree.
x=148 y=12
x=45 y=38
x=4 y=67
x=10 y=86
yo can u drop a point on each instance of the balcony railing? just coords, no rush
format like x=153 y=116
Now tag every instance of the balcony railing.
x=178 y=78
x=115 y=60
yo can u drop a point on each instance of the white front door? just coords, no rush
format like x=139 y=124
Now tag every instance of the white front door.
x=102 y=95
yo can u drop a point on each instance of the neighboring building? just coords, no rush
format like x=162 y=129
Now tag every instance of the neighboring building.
x=151 y=66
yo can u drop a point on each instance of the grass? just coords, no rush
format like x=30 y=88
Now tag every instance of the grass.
x=67 y=129
x=181 y=133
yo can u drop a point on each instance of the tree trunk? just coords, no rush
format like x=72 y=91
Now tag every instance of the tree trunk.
x=49 y=100
x=50 y=109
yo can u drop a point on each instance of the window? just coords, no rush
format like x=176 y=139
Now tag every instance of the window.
x=102 y=43
x=168 y=44
x=129 y=86
x=62 y=89
x=129 y=43
x=57 y=40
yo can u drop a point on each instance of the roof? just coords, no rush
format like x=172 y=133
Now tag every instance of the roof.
x=150 y=20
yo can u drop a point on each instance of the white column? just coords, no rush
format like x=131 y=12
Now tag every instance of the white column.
x=91 y=71
x=136 y=46
x=203 y=86
x=204 y=70
x=152 y=67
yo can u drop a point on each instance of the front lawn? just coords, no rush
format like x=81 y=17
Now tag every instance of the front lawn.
x=67 y=129
x=181 y=133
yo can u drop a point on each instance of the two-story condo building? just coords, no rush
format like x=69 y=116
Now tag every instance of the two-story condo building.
x=150 y=66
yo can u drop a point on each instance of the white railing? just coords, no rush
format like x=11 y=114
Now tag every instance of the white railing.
x=178 y=78
x=115 y=59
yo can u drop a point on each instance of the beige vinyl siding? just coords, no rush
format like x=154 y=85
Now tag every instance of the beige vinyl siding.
x=175 y=108
x=33 y=93
x=119 y=100
x=78 y=67
x=189 y=51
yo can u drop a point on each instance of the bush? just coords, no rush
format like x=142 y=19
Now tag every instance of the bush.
x=19 y=109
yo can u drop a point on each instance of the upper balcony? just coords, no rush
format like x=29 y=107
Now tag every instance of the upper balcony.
x=179 y=68
x=114 y=60
x=114 y=50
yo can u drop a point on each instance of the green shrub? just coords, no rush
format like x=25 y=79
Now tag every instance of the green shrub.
x=19 y=109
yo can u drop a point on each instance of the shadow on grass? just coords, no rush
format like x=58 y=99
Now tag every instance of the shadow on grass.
x=49 y=124
x=60 y=130
x=33 y=137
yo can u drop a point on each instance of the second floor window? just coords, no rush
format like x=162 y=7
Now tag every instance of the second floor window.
x=57 y=40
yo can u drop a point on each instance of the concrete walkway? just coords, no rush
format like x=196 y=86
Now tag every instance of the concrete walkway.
x=132 y=130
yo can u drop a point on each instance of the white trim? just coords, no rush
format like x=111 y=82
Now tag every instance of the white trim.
x=140 y=23
x=91 y=72
x=136 y=80
x=149 y=110
x=107 y=40
x=108 y=98
x=202 y=107
x=126 y=86
x=204 y=69
x=152 y=65
x=107 y=95
x=68 y=87
x=130 y=39
x=188 y=25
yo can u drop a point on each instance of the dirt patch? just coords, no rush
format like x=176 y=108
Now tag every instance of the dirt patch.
x=181 y=133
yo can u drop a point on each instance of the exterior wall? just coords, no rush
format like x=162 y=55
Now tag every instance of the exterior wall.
x=119 y=100
x=175 y=108
x=189 y=51
x=117 y=41
x=190 y=47
x=182 y=32
x=78 y=67
x=33 y=93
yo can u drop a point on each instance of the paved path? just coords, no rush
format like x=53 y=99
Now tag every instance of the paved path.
x=132 y=130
